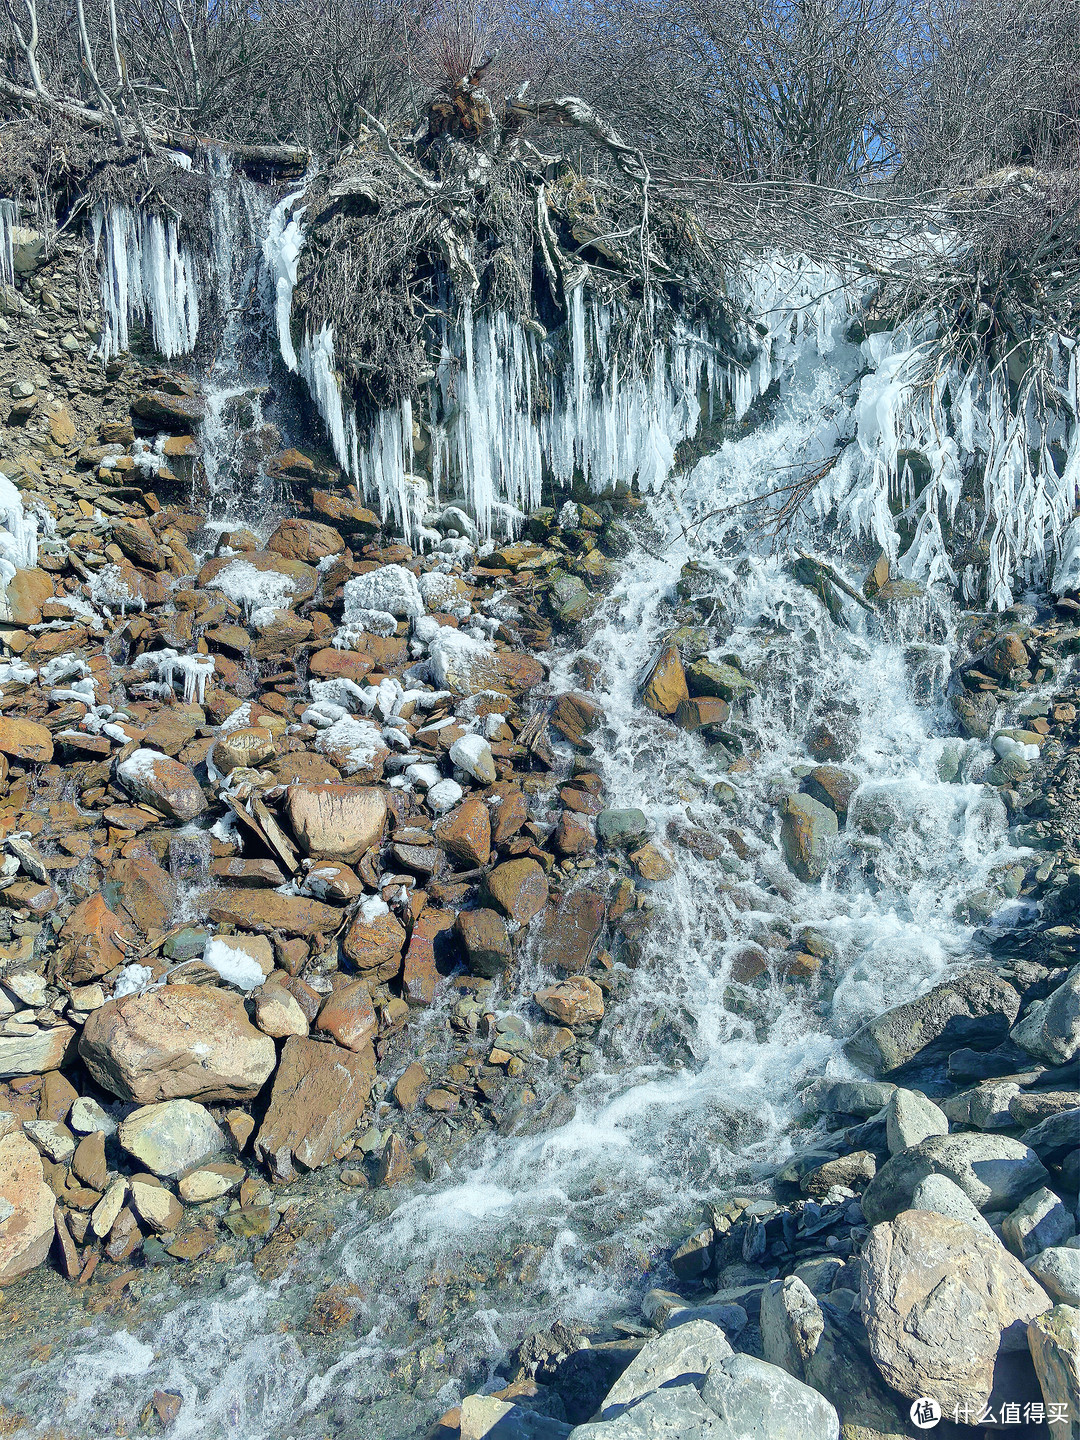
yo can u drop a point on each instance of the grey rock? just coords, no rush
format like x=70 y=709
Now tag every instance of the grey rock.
x=850 y=1097
x=911 y=1117
x=52 y=1139
x=732 y=1319
x=171 y=1136
x=621 y=828
x=87 y=1116
x=1055 y=1136
x=976 y=1006
x=482 y=1416
x=939 y=1194
x=939 y=1301
x=986 y=1107
x=1038 y=1221
x=1051 y=1028
x=818 y=1274
x=688 y=1350
x=819 y=1344
x=1028 y=1107
x=677 y=1413
x=995 y=1172
x=759 y=1401
x=1057 y=1270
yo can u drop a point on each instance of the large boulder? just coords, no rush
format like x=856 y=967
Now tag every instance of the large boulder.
x=318 y=1095
x=806 y=830
x=995 y=1172
x=336 y=822
x=1051 y=1028
x=171 y=1136
x=27 y=1207
x=937 y=1299
x=178 y=1041
x=688 y=1350
x=91 y=933
x=162 y=783
x=825 y=1348
x=759 y=1401
x=1057 y=1269
x=975 y=1008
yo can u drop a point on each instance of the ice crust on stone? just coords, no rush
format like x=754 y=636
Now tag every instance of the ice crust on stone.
x=260 y=592
x=147 y=273
x=195 y=670
x=18 y=533
x=358 y=740
x=235 y=966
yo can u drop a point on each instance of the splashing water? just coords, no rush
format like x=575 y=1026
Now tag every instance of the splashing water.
x=693 y=1083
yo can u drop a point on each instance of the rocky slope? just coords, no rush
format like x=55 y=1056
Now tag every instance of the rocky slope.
x=265 y=798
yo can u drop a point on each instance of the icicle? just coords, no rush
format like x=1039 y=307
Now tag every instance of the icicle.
x=145 y=272
x=9 y=218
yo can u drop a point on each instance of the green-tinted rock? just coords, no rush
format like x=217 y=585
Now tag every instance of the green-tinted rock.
x=805 y=833
x=620 y=829
x=186 y=944
x=710 y=677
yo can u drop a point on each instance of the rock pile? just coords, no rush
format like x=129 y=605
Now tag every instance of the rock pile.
x=262 y=802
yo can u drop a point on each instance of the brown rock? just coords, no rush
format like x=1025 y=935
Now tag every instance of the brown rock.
x=509 y=810
x=181 y=1040
x=409 y=1085
x=572 y=927
x=162 y=411
x=147 y=892
x=318 y=1095
x=251 y=746
x=265 y=911
x=163 y=783
x=254 y=874
x=466 y=833
x=347 y=1014
x=576 y=716
x=338 y=822
x=25 y=740
x=519 y=888
x=28 y=1205
x=700 y=713
x=651 y=863
x=666 y=688
x=511 y=672
x=576 y=1001
x=303 y=767
x=92 y=931
x=26 y=592
x=305 y=540
x=395 y=1167
x=1006 y=654
x=139 y=543
x=331 y=881
x=484 y=935
x=278 y=1014
x=572 y=835
x=375 y=945
x=419 y=973
x=88 y=1162
x=333 y=664
x=347 y=514
x=833 y=787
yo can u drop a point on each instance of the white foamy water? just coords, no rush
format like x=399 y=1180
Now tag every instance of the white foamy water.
x=695 y=1082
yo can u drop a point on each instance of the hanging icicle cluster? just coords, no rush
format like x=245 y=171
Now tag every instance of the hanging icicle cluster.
x=147 y=274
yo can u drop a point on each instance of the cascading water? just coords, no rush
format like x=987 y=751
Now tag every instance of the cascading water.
x=693 y=1083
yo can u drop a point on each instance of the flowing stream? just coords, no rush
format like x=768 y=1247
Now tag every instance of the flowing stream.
x=694 y=1082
